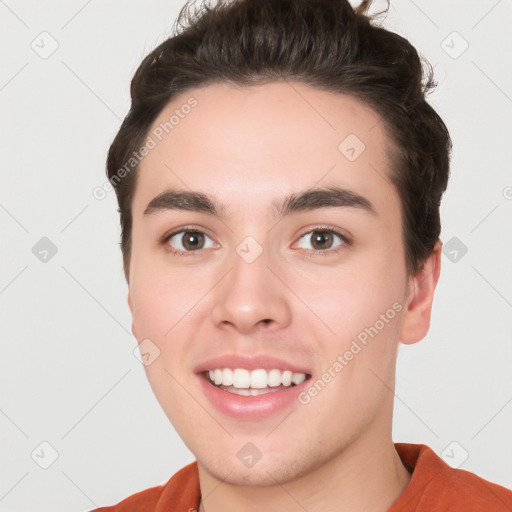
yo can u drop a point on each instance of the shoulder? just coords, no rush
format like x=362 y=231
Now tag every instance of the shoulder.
x=435 y=485
x=182 y=490
x=474 y=492
x=143 y=501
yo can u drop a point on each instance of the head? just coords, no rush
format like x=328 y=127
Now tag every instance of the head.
x=263 y=111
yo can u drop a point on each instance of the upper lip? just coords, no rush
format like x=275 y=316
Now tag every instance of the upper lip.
x=252 y=362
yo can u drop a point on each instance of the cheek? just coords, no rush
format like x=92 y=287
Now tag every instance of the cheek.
x=349 y=300
x=152 y=312
x=159 y=315
x=369 y=329
x=161 y=300
x=357 y=367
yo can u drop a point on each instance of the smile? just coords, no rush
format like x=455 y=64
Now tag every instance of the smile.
x=252 y=394
x=244 y=382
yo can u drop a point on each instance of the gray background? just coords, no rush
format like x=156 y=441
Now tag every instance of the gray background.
x=69 y=376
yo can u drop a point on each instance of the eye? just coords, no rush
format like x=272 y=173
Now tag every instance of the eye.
x=188 y=240
x=322 y=239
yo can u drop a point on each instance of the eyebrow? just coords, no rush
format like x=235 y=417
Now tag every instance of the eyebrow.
x=307 y=200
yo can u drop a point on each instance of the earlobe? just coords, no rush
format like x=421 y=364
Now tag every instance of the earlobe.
x=420 y=297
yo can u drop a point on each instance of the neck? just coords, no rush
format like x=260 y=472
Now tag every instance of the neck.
x=366 y=476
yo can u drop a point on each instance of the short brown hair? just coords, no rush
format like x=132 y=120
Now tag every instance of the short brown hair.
x=326 y=44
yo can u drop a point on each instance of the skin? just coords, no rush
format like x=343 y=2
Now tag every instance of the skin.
x=248 y=146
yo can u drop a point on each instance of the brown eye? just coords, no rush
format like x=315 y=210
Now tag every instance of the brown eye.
x=188 y=241
x=321 y=240
x=192 y=240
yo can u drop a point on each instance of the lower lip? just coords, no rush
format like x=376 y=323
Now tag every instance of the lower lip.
x=251 y=407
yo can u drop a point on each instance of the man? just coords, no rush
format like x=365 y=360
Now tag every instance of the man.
x=279 y=177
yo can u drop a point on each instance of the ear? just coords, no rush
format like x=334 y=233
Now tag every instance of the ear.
x=131 y=311
x=419 y=298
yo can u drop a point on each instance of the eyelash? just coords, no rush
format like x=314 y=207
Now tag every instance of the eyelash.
x=309 y=252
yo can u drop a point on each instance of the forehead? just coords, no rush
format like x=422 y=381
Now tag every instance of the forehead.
x=248 y=146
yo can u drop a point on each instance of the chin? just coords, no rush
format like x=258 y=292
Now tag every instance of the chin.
x=268 y=471
x=257 y=476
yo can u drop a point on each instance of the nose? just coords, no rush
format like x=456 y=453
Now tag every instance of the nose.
x=251 y=297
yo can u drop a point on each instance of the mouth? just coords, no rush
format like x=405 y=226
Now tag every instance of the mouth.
x=244 y=382
x=254 y=394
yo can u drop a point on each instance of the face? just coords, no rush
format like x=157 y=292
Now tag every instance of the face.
x=314 y=288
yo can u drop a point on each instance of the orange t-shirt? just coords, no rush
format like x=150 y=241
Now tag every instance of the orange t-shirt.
x=434 y=487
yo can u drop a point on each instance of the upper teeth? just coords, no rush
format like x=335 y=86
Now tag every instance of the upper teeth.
x=242 y=378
